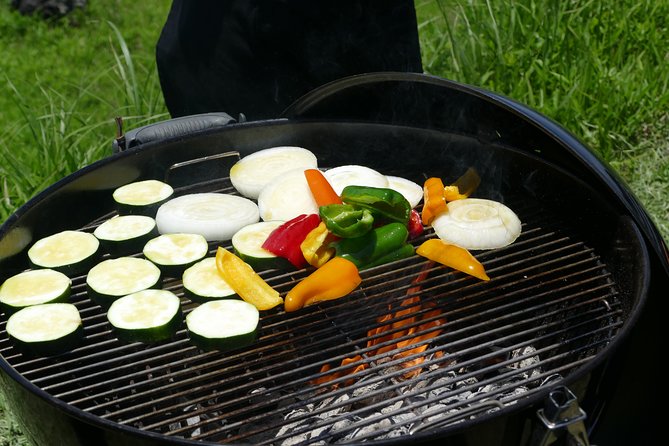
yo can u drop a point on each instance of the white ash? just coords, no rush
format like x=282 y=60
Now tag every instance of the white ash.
x=439 y=396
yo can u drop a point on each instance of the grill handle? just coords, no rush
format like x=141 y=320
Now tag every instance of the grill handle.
x=171 y=128
x=562 y=421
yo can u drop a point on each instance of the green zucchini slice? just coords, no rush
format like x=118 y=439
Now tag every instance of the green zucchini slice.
x=223 y=325
x=46 y=329
x=202 y=282
x=146 y=316
x=142 y=197
x=69 y=252
x=115 y=278
x=174 y=253
x=126 y=234
x=34 y=287
x=247 y=244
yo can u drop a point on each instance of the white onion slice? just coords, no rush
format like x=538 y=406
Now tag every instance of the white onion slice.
x=354 y=175
x=286 y=197
x=255 y=171
x=476 y=223
x=214 y=216
x=413 y=192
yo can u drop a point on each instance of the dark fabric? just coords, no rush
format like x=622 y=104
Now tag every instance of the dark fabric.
x=257 y=57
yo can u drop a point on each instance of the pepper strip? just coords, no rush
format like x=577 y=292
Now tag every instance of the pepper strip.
x=320 y=188
x=285 y=240
x=335 y=279
x=452 y=256
x=246 y=282
x=433 y=199
x=316 y=246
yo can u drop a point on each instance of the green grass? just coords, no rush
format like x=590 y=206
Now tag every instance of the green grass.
x=596 y=67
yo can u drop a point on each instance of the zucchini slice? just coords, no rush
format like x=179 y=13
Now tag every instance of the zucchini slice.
x=174 y=253
x=126 y=234
x=146 y=316
x=213 y=215
x=247 y=244
x=115 y=278
x=46 y=329
x=69 y=252
x=203 y=283
x=34 y=287
x=142 y=197
x=223 y=325
x=253 y=172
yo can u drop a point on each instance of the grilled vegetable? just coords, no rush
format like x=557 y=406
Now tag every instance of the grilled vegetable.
x=384 y=204
x=46 y=329
x=336 y=278
x=248 y=241
x=69 y=252
x=320 y=188
x=286 y=197
x=380 y=245
x=434 y=202
x=452 y=256
x=203 y=283
x=255 y=171
x=115 y=278
x=142 y=197
x=346 y=221
x=316 y=247
x=285 y=240
x=33 y=288
x=173 y=253
x=146 y=316
x=415 y=225
x=411 y=191
x=223 y=325
x=342 y=176
x=126 y=234
x=214 y=216
x=246 y=283
x=475 y=223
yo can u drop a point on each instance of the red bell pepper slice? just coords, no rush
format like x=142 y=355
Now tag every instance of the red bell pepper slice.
x=285 y=240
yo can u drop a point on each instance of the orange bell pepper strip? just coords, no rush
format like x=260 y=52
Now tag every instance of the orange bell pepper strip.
x=316 y=246
x=321 y=189
x=452 y=256
x=246 y=282
x=335 y=279
x=433 y=200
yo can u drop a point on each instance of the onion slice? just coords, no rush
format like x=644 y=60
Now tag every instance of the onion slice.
x=286 y=197
x=354 y=175
x=255 y=171
x=213 y=215
x=476 y=223
x=413 y=192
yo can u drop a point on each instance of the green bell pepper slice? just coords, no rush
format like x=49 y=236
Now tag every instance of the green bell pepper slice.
x=384 y=204
x=346 y=221
x=380 y=245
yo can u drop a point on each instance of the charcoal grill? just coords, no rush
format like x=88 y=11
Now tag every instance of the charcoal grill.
x=542 y=339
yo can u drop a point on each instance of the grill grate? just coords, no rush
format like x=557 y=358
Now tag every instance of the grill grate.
x=550 y=307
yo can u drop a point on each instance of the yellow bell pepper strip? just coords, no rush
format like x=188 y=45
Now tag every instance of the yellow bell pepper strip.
x=452 y=193
x=285 y=240
x=452 y=256
x=316 y=246
x=320 y=188
x=468 y=182
x=386 y=205
x=335 y=279
x=433 y=199
x=245 y=282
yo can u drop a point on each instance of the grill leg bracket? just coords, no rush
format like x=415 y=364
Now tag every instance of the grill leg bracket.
x=561 y=421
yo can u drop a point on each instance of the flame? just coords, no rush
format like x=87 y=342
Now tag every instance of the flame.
x=411 y=308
